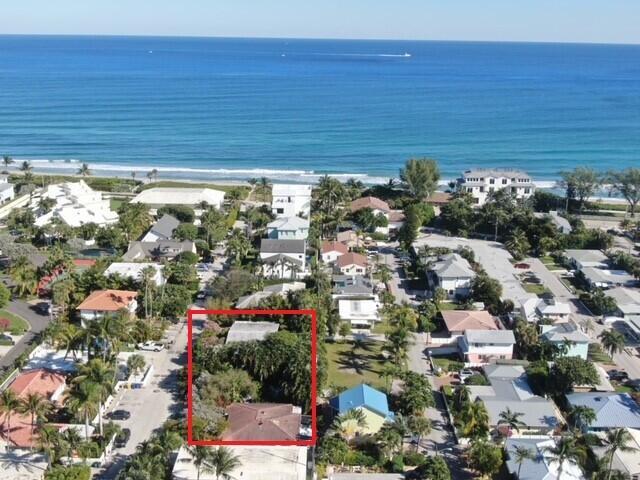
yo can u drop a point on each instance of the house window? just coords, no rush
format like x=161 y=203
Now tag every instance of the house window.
x=527 y=191
x=504 y=181
x=481 y=189
x=279 y=210
x=492 y=181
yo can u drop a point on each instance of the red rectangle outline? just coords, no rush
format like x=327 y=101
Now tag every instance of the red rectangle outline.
x=314 y=339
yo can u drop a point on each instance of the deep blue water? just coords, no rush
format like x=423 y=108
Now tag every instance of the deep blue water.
x=217 y=107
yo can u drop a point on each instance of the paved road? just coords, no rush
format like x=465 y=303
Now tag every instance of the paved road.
x=152 y=405
x=493 y=257
x=397 y=285
x=36 y=320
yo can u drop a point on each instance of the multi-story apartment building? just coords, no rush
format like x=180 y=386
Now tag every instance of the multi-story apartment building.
x=480 y=183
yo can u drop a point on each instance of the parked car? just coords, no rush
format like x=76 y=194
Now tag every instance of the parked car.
x=119 y=415
x=6 y=339
x=201 y=295
x=122 y=438
x=618 y=375
x=151 y=346
x=466 y=373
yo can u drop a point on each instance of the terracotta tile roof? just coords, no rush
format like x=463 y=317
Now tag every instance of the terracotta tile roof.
x=438 y=198
x=396 y=216
x=39 y=381
x=84 y=262
x=369 y=202
x=108 y=300
x=20 y=432
x=262 y=421
x=462 y=320
x=333 y=246
x=352 y=258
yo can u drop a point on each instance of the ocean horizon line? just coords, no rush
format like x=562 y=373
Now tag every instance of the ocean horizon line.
x=318 y=39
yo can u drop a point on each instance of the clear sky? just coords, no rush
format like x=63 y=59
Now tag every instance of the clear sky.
x=603 y=21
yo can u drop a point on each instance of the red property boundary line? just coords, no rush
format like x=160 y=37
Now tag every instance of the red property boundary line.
x=314 y=339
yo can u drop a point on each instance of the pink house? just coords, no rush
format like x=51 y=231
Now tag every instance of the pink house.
x=480 y=347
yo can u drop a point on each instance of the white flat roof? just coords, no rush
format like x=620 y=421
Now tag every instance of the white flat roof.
x=179 y=196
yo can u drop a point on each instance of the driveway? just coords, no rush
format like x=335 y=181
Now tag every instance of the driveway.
x=152 y=405
x=36 y=320
x=493 y=257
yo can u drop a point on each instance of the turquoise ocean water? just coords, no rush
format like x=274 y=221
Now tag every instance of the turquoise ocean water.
x=296 y=109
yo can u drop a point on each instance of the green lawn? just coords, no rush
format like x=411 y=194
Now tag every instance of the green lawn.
x=18 y=324
x=448 y=364
x=350 y=366
x=597 y=354
x=116 y=203
x=444 y=306
x=381 y=327
x=534 y=288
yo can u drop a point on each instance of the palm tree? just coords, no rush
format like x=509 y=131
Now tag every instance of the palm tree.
x=518 y=244
x=264 y=187
x=221 y=463
x=476 y=420
x=420 y=177
x=37 y=406
x=73 y=440
x=617 y=440
x=109 y=332
x=7 y=160
x=101 y=376
x=24 y=275
x=397 y=346
x=136 y=363
x=612 y=341
x=26 y=167
x=84 y=170
x=389 y=440
x=349 y=423
x=9 y=403
x=565 y=450
x=511 y=420
x=521 y=454
x=419 y=426
x=200 y=455
x=581 y=416
x=148 y=275
x=153 y=175
x=83 y=399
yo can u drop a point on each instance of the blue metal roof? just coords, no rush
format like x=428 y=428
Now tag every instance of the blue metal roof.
x=362 y=396
x=613 y=410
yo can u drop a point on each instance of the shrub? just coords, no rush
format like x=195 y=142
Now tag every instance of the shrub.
x=414 y=459
x=397 y=464
x=73 y=472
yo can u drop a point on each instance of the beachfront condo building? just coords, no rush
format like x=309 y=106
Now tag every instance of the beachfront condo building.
x=289 y=200
x=480 y=183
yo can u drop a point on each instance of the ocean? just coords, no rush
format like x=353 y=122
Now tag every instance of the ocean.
x=213 y=108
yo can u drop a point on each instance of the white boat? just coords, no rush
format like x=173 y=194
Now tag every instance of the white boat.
x=406 y=54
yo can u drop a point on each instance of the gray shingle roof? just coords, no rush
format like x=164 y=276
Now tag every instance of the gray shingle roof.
x=452 y=265
x=613 y=410
x=165 y=226
x=566 y=331
x=498 y=337
x=351 y=285
x=586 y=255
x=242 y=331
x=540 y=467
x=268 y=245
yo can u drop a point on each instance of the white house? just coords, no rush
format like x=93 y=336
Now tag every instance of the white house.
x=105 y=302
x=541 y=465
x=331 y=250
x=134 y=271
x=7 y=192
x=359 y=312
x=254 y=463
x=452 y=273
x=605 y=278
x=288 y=228
x=580 y=259
x=283 y=258
x=291 y=200
x=480 y=347
x=480 y=183
x=534 y=309
x=352 y=264
x=76 y=204
x=180 y=196
x=627 y=300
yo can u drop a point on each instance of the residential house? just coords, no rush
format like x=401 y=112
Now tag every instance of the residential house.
x=345 y=286
x=627 y=301
x=509 y=388
x=361 y=312
x=76 y=204
x=569 y=336
x=452 y=273
x=290 y=200
x=580 y=259
x=288 y=228
x=49 y=385
x=331 y=250
x=349 y=238
x=480 y=347
x=535 y=308
x=459 y=321
x=480 y=183
x=158 y=250
x=561 y=223
x=134 y=271
x=105 y=302
x=541 y=465
x=613 y=410
x=283 y=258
x=6 y=189
x=371 y=402
x=163 y=229
x=626 y=461
x=159 y=196
x=605 y=278
x=262 y=422
x=395 y=218
x=254 y=463
x=352 y=264
x=245 y=331
x=281 y=289
x=439 y=199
